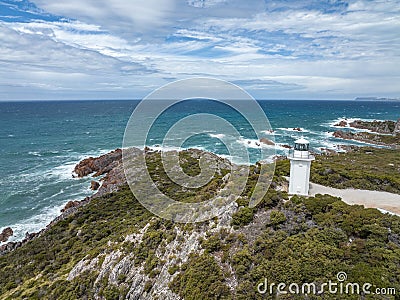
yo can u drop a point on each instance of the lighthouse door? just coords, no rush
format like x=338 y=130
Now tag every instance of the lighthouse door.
x=299 y=178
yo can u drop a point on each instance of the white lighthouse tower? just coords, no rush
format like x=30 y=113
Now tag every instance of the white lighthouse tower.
x=300 y=165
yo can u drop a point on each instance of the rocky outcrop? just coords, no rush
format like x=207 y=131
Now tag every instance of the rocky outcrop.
x=341 y=124
x=114 y=179
x=98 y=165
x=110 y=165
x=71 y=204
x=6 y=234
x=343 y=135
x=397 y=127
x=392 y=141
x=386 y=127
x=10 y=246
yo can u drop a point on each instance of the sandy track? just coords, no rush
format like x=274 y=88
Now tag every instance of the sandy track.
x=371 y=199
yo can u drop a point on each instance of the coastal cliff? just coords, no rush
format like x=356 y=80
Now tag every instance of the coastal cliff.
x=110 y=247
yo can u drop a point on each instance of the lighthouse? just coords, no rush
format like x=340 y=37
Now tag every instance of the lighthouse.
x=300 y=166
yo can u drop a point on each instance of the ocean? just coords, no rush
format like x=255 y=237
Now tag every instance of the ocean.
x=41 y=142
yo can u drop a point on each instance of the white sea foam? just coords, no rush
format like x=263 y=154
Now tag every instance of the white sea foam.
x=34 y=153
x=269 y=132
x=217 y=135
x=251 y=143
x=165 y=148
x=64 y=171
x=34 y=223
x=293 y=129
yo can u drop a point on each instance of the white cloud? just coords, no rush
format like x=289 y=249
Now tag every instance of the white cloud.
x=205 y=3
x=302 y=49
x=37 y=65
x=133 y=17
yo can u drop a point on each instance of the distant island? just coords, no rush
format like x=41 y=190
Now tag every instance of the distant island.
x=376 y=99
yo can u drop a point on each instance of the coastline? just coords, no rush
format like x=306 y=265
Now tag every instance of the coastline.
x=108 y=176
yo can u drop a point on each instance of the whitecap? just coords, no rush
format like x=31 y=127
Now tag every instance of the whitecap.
x=217 y=135
x=34 y=153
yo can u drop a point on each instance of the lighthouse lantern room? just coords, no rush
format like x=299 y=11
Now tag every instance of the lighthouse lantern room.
x=300 y=166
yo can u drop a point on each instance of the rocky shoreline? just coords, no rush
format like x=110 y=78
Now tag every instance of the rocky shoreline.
x=109 y=164
x=370 y=138
x=382 y=133
x=382 y=127
x=385 y=133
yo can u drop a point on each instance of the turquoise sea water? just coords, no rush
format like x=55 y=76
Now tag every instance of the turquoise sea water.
x=40 y=143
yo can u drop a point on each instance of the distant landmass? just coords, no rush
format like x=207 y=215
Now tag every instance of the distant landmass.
x=376 y=99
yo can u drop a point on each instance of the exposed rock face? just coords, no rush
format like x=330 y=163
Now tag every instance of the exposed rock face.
x=267 y=141
x=397 y=127
x=118 y=268
x=6 y=234
x=112 y=181
x=100 y=165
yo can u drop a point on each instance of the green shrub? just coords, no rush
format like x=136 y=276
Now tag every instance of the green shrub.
x=200 y=278
x=276 y=218
x=243 y=216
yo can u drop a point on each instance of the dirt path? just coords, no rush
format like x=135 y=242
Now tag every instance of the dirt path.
x=371 y=199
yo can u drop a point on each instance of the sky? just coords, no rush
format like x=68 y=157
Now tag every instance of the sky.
x=124 y=49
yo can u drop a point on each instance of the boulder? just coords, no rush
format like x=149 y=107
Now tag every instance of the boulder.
x=341 y=124
x=267 y=141
x=6 y=234
x=71 y=204
x=94 y=185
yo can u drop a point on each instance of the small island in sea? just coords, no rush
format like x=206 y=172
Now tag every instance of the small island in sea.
x=108 y=246
x=376 y=99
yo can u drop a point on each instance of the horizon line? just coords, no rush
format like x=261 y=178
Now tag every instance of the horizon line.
x=123 y=99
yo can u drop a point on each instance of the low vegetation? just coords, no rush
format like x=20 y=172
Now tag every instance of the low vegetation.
x=296 y=240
